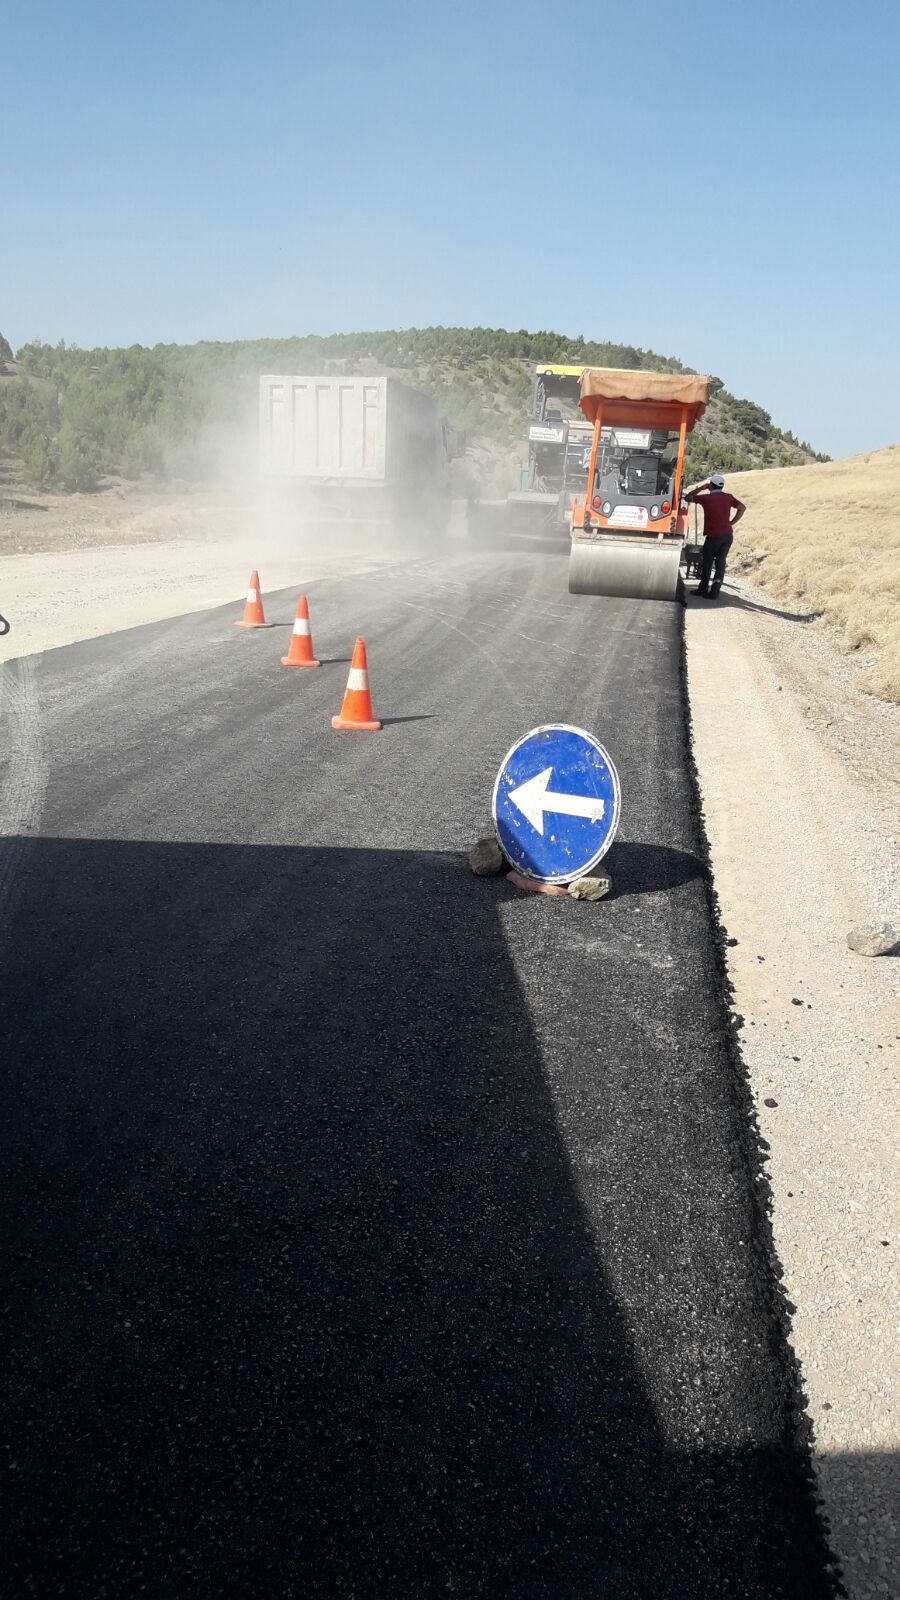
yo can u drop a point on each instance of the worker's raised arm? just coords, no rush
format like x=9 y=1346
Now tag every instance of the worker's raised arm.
x=692 y=494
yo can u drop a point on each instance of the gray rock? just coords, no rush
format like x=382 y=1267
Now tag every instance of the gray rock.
x=591 y=888
x=486 y=858
x=874 y=938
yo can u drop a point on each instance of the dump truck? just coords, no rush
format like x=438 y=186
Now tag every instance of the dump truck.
x=357 y=450
x=629 y=526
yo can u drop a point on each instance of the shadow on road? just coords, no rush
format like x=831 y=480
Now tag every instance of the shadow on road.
x=421 y=716
x=303 y=1297
x=650 y=868
x=730 y=597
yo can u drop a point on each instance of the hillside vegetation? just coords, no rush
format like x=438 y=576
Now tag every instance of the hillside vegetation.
x=70 y=417
x=828 y=537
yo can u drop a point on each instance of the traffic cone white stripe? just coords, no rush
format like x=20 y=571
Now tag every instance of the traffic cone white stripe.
x=356 y=708
x=252 y=597
x=301 y=626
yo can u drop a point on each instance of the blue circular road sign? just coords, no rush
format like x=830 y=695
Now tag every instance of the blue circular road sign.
x=556 y=803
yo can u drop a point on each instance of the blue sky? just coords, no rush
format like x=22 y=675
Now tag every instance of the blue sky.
x=715 y=181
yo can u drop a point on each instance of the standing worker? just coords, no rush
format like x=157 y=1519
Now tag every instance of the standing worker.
x=718 y=530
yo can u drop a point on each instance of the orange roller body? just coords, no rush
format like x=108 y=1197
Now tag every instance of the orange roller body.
x=254 y=616
x=300 y=653
x=356 y=711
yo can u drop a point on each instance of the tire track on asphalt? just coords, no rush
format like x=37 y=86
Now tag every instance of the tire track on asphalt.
x=27 y=773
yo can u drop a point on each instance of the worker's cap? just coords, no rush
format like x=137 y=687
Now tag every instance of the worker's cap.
x=718 y=480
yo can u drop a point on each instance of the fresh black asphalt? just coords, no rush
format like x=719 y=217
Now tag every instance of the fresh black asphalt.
x=374 y=1230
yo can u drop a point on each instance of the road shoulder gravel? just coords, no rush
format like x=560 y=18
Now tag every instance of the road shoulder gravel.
x=797 y=772
x=79 y=566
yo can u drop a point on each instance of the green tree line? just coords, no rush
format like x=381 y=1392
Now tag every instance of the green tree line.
x=73 y=416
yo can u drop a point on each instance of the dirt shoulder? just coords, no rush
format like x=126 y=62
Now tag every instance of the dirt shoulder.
x=73 y=567
x=798 y=775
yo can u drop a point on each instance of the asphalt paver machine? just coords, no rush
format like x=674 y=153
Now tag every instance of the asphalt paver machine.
x=629 y=526
x=559 y=447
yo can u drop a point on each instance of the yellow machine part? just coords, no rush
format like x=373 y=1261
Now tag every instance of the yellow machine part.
x=555 y=369
x=630 y=569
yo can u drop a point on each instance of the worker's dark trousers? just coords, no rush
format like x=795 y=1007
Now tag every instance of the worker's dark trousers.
x=715 y=553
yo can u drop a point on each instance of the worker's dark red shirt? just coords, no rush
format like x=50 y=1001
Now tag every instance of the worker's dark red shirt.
x=717 y=508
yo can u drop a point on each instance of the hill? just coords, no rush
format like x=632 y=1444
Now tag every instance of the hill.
x=69 y=417
x=828 y=537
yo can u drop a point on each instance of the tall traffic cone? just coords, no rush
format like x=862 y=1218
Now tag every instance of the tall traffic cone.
x=356 y=712
x=254 y=616
x=300 y=653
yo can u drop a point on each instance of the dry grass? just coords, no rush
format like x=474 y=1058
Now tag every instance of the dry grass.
x=828 y=537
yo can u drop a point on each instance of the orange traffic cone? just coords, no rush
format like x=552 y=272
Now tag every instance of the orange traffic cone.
x=300 y=653
x=356 y=712
x=254 y=616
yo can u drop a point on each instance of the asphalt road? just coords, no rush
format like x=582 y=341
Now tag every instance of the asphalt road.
x=375 y=1230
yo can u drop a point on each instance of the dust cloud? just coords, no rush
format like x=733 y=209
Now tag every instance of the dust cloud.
x=76 y=565
x=221 y=476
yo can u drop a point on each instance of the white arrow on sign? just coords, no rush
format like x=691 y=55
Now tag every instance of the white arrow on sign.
x=533 y=798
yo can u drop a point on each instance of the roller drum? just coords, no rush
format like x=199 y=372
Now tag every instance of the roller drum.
x=630 y=569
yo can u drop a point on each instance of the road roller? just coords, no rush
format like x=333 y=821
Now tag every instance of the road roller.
x=628 y=529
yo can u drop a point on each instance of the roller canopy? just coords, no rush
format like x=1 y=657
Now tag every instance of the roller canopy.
x=642 y=399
